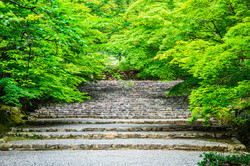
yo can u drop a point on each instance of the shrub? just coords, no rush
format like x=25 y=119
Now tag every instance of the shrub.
x=214 y=159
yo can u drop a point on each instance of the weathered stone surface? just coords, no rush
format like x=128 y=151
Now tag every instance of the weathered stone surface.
x=143 y=144
x=39 y=122
x=113 y=99
x=119 y=135
x=118 y=128
x=121 y=117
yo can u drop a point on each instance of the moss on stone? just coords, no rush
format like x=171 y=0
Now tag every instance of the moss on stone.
x=9 y=116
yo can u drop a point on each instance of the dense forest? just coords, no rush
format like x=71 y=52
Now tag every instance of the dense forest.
x=49 y=47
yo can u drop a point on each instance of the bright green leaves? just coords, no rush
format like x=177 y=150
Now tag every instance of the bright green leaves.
x=47 y=49
x=221 y=68
x=13 y=93
x=141 y=40
x=222 y=102
x=203 y=42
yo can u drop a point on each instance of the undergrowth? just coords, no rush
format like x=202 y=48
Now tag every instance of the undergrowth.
x=215 y=159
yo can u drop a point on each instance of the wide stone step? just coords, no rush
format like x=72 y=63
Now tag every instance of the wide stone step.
x=117 y=127
x=138 y=85
x=124 y=135
x=99 y=144
x=130 y=102
x=139 y=111
x=122 y=104
x=34 y=121
x=110 y=116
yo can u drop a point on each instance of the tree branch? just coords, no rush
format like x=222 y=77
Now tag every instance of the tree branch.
x=217 y=30
x=29 y=8
x=22 y=5
x=28 y=62
x=223 y=79
x=219 y=41
x=232 y=9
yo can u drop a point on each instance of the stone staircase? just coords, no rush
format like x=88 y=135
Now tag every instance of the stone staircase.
x=121 y=115
x=124 y=100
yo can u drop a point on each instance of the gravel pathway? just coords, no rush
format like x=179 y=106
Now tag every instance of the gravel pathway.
x=147 y=141
x=100 y=158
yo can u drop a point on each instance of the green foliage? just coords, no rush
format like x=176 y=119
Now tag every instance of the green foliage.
x=12 y=92
x=205 y=43
x=141 y=39
x=214 y=159
x=184 y=87
x=46 y=50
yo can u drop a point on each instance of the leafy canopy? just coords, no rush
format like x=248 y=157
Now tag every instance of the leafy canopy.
x=203 y=42
x=46 y=50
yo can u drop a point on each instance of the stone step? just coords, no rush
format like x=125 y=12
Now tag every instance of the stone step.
x=125 y=105
x=114 y=99
x=110 y=116
x=34 y=121
x=117 y=127
x=152 y=110
x=133 y=100
x=124 y=135
x=143 y=84
x=99 y=144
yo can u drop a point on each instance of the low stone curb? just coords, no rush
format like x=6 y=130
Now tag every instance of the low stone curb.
x=27 y=147
x=52 y=121
x=49 y=116
x=155 y=129
x=109 y=122
x=120 y=135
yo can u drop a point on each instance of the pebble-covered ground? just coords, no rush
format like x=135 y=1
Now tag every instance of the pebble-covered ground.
x=100 y=158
